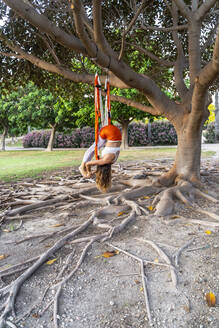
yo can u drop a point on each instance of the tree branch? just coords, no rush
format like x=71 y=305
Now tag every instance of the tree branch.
x=209 y=39
x=45 y=25
x=60 y=70
x=211 y=71
x=183 y=8
x=152 y=56
x=195 y=5
x=144 y=84
x=165 y=29
x=207 y=75
x=10 y=54
x=204 y=8
x=87 y=23
x=132 y=103
x=98 y=31
x=80 y=78
x=180 y=62
x=89 y=45
x=169 y=7
x=194 y=49
x=50 y=48
x=141 y=7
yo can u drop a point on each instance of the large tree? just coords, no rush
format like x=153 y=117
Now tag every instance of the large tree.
x=180 y=38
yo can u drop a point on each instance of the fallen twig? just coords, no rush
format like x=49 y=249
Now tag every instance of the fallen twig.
x=142 y=275
x=163 y=256
x=144 y=282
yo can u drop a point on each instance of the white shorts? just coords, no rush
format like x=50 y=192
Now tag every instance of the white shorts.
x=111 y=150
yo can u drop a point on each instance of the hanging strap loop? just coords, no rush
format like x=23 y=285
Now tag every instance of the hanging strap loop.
x=97 y=113
x=100 y=115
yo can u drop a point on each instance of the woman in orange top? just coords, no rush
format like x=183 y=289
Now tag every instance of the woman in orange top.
x=110 y=138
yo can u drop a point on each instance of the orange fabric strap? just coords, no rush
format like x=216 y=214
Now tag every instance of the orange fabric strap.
x=97 y=114
x=108 y=102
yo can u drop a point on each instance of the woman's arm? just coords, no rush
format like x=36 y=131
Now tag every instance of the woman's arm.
x=88 y=155
x=107 y=159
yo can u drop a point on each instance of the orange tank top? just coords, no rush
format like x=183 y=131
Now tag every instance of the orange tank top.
x=111 y=132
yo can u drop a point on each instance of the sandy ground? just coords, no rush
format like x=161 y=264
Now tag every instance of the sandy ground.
x=107 y=292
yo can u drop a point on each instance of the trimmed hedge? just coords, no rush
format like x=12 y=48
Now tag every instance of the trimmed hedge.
x=162 y=133
x=209 y=134
x=79 y=138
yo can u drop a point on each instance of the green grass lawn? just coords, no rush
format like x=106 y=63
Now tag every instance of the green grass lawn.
x=18 y=164
x=18 y=143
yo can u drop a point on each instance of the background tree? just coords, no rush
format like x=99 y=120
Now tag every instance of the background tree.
x=9 y=120
x=124 y=114
x=44 y=110
x=216 y=115
x=180 y=38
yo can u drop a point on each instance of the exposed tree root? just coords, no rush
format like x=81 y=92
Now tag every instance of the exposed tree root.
x=16 y=285
x=10 y=324
x=177 y=255
x=33 y=206
x=177 y=218
x=112 y=212
x=12 y=269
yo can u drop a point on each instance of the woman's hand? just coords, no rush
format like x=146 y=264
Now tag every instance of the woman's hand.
x=88 y=169
x=88 y=166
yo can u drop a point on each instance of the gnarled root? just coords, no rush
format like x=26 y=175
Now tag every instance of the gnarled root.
x=185 y=192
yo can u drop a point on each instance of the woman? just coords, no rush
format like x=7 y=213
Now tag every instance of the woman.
x=110 y=137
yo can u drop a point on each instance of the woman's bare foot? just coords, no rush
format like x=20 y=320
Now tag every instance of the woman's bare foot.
x=83 y=170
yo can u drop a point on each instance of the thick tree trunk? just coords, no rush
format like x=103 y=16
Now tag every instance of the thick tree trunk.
x=51 y=139
x=149 y=132
x=125 y=135
x=216 y=116
x=5 y=131
x=188 y=155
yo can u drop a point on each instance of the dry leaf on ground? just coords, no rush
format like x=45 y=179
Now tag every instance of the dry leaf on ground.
x=211 y=299
x=51 y=261
x=110 y=254
x=3 y=256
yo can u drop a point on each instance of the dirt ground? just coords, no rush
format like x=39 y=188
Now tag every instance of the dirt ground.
x=109 y=292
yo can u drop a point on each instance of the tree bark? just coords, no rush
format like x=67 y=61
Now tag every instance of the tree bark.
x=5 y=131
x=51 y=139
x=125 y=135
x=216 y=116
x=149 y=132
x=188 y=154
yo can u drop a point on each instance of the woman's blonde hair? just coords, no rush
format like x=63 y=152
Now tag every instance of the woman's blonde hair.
x=103 y=177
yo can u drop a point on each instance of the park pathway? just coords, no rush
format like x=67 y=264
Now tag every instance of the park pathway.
x=206 y=147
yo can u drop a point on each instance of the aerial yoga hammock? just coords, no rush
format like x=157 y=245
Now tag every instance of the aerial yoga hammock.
x=109 y=137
